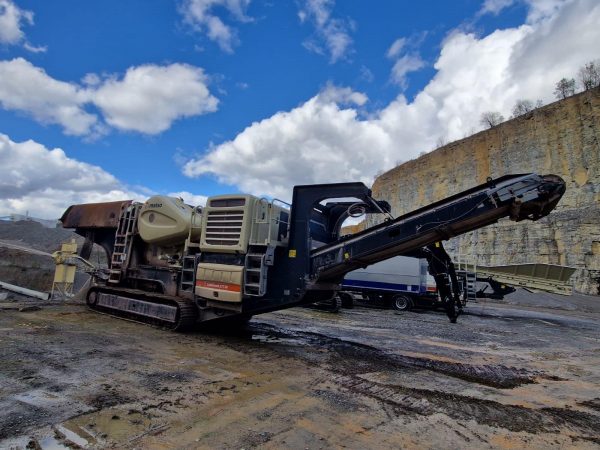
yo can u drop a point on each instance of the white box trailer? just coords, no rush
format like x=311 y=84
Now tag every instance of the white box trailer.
x=400 y=282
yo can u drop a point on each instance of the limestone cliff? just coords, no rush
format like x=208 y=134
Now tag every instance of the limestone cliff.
x=562 y=138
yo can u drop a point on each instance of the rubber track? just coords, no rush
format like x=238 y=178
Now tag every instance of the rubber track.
x=186 y=310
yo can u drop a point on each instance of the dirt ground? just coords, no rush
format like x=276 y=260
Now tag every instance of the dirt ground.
x=505 y=376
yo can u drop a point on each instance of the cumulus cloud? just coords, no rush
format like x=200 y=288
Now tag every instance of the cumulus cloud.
x=26 y=88
x=544 y=9
x=200 y=15
x=323 y=140
x=148 y=99
x=12 y=19
x=310 y=144
x=332 y=35
x=45 y=181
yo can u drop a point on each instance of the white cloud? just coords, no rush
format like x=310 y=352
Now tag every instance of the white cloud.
x=403 y=66
x=342 y=96
x=34 y=49
x=396 y=48
x=309 y=144
x=148 y=99
x=332 y=35
x=91 y=79
x=199 y=14
x=404 y=61
x=538 y=9
x=322 y=141
x=495 y=6
x=543 y=9
x=11 y=20
x=189 y=198
x=26 y=88
x=46 y=181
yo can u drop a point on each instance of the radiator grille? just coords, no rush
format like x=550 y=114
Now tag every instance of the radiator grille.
x=224 y=227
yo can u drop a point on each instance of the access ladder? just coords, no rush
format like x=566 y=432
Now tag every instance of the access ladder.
x=126 y=230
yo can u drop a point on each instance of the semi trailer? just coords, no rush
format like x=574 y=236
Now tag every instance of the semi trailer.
x=175 y=265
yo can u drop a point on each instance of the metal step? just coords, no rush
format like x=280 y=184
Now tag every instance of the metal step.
x=255 y=275
x=188 y=274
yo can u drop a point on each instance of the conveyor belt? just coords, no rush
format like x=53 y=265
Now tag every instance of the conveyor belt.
x=519 y=197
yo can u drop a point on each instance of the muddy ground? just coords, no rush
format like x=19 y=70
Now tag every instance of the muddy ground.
x=504 y=377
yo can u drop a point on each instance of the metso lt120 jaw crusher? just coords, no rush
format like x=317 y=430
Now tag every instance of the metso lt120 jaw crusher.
x=176 y=266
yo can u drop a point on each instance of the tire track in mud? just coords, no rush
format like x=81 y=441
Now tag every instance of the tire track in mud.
x=515 y=418
x=356 y=357
x=348 y=360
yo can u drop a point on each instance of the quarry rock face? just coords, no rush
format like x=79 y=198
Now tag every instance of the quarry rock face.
x=562 y=138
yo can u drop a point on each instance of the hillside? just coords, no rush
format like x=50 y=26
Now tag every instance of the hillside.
x=34 y=270
x=562 y=138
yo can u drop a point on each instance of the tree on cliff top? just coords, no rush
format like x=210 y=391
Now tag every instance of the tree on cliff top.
x=589 y=75
x=490 y=119
x=522 y=107
x=564 y=88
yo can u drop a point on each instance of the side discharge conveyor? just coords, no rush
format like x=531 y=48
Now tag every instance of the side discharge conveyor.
x=176 y=265
x=516 y=196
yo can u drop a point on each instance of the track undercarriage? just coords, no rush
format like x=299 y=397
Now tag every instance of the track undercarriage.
x=174 y=313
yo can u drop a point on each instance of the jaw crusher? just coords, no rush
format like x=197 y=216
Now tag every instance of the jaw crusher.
x=176 y=266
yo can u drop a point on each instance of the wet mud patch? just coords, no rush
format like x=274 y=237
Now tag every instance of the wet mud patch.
x=254 y=439
x=338 y=400
x=108 y=398
x=515 y=418
x=578 y=419
x=157 y=381
x=497 y=376
x=594 y=439
x=353 y=358
x=19 y=417
x=592 y=404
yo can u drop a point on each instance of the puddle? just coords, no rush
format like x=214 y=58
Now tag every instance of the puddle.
x=76 y=435
x=40 y=398
x=51 y=443
x=116 y=425
x=87 y=431
x=59 y=437
x=64 y=438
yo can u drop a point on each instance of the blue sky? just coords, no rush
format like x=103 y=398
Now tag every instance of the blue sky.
x=200 y=97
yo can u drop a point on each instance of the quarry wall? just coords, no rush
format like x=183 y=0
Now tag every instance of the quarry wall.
x=562 y=138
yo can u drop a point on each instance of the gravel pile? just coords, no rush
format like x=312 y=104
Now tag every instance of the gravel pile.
x=35 y=235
